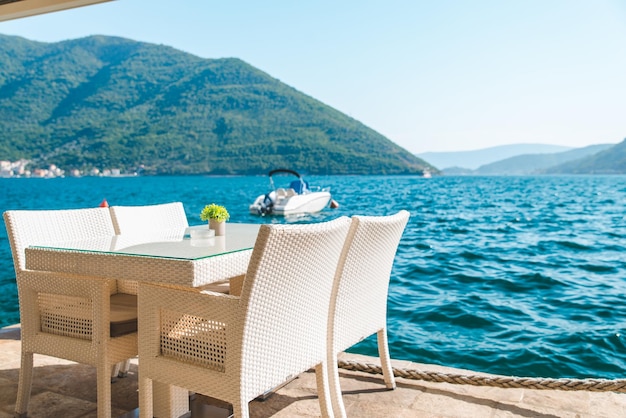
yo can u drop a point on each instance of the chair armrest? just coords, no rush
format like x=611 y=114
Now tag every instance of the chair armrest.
x=65 y=284
x=44 y=293
x=186 y=325
x=210 y=305
x=236 y=284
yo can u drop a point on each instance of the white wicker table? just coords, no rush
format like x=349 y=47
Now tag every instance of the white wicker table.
x=167 y=256
x=171 y=257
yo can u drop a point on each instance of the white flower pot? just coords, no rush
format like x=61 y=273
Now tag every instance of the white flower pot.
x=218 y=227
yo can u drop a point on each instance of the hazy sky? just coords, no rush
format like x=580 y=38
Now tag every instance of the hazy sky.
x=437 y=75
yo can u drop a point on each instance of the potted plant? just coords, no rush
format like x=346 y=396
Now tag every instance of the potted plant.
x=217 y=216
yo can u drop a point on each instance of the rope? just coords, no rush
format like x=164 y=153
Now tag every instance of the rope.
x=591 y=385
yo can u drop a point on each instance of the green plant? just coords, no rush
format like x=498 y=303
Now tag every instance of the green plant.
x=214 y=211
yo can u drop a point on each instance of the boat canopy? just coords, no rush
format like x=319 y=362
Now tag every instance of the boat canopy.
x=299 y=186
x=284 y=170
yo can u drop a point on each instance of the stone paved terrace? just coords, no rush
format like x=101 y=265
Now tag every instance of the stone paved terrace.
x=66 y=389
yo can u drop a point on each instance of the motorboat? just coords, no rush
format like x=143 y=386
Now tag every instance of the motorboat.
x=297 y=199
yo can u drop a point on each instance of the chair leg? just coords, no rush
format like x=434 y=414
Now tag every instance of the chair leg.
x=115 y=371
x=323 y=390
x=103 y=373
x=120 y=369
x=385 y=361
x=241 y=409
x=339 y=409
x=24 y=385
x=169 y=400
x=124 y=368
x=145 y=397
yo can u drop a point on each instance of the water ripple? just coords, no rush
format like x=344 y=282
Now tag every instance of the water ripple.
x=518 y=276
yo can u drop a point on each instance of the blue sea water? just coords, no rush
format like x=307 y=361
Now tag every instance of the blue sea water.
x=521 y=276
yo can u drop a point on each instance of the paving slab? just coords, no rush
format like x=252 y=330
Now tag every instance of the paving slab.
x=66 y=389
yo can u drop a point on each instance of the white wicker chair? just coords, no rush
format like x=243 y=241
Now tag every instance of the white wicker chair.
x=142 y=219
x=359 y=300
x=235 y=348
x=68 y=316
x=145 y=219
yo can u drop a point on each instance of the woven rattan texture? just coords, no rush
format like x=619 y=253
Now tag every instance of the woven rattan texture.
x=276 y=329
x=38 y=227
x=359 y=299
x=127 y=267
x=193 y=339
x=64 y=315
x=146 y=219
x=163 y=221
x=141 y=219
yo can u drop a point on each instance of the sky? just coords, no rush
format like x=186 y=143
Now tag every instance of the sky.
x=432 y=76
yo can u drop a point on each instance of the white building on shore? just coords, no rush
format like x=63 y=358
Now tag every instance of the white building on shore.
x=14 y=168
x=18 y=169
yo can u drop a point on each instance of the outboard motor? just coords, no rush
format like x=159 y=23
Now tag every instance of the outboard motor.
x=267 y=205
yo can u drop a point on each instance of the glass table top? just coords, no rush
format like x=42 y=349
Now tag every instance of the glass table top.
x=175 y=244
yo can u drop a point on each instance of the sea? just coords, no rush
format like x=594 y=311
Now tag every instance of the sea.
x=518 y=276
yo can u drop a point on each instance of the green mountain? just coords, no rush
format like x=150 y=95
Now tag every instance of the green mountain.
x=109 y=102
x=609 y=161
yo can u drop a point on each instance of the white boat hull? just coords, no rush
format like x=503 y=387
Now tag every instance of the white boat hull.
x=294 y=205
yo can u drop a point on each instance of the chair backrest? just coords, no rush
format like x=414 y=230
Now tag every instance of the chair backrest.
x=285 y=297
x=41 y=227
x=132 y=219
x=359 y=299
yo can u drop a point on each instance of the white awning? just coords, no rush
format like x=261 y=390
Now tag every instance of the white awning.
x=14 y=9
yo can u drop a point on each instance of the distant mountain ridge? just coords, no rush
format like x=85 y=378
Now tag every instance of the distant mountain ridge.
x=593 y=159
x=112 y=102
x=538 y=163
x=475 y=158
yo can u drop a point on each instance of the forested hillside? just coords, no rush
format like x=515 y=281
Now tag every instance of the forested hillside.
x=112 y=102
